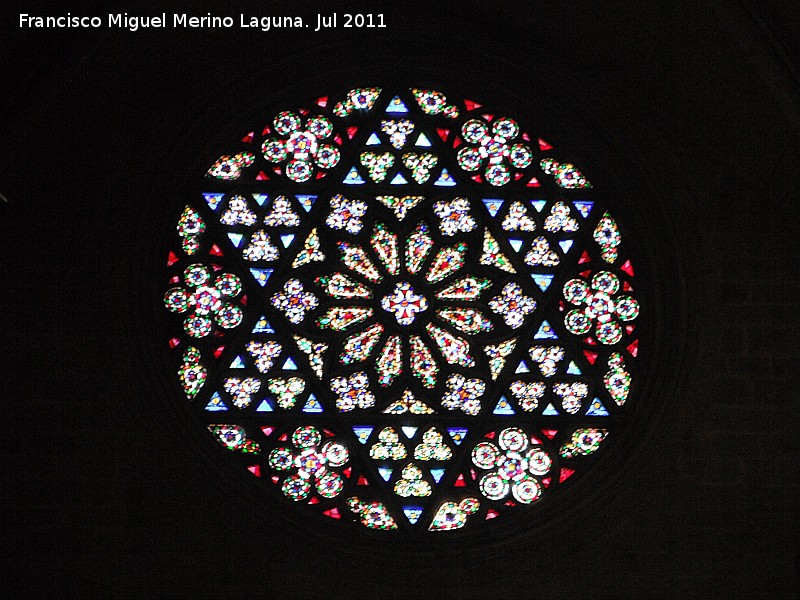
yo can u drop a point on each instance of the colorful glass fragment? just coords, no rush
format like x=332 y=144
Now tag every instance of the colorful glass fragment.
x=238 y=212
x=260 y=248
x=293 y=301
x=388 y=446
x=467 y=289
x=192 y=374
x=432 y=447
x=583 y=442
x=357 y=260
x=411 y=483
x=606 y=234
x=264 y=353
x=397 y=130
x=418 y=247
x=339 y=285
x=373 y=514
x=281 y=214
x=617 y=380
x=492 y=255
x=466 y=320
x=400 y=205
x=357 y=99
x=454 y=349
x=408 y=404
x=286 y=390
x=517 y=218
x=513 y=305
x=359 y=346
x=353 y=392
x=463 y=394
x=422 y=364
x=230 y=167
x=340 y=318
x=497 y=355
x=528 y=394
x=384 y=243
x=447 y=261
x=559 y=219
x=377 y=164
x=540 y=254
x=454 y=216
x=234 y=437
x=311 y=251
x=390 y=361
x=420 y=165
x=566 y=174
x=346 y=214
x=451 y=516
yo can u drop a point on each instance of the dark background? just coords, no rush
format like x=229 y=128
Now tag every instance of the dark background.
x=692 y=110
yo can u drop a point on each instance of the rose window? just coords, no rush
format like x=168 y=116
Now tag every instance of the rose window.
x=403 y=311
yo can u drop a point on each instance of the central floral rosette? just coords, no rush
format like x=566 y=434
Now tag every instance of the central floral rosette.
x=404 y=303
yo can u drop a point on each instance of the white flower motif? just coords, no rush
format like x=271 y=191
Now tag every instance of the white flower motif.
x=294 y=302
x=454 y=215
x=346 y=214
x=353 y=392
x=513 y=305
x=404 y=303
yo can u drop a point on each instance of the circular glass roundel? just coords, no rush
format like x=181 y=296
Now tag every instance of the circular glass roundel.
x=402 y=310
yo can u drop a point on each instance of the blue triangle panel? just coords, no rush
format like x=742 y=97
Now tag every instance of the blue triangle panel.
x=374 y=140
x=423 y=141
x=503 y=407
x=265 y=406
x=263 y=326
x=396 y=106
x=542 y=280
x=306 y=201
x=289 y=365
x=596 y=409
x=287 y=239
x=216 y=404
x=261 y=275
x=550 y=411
x=573 y=369
x=516 y=244
x=412 y=513
x=584 y=207
x=213 y=199
x=385 y=472
x=409 y=431
x=236 y=239
x=261 y=198
x=312 y=405
x=437 y=474
x=362 y=432
x=545 y=332
x=445 y=179
x=522 y=368
x=565 y=245
x=538 y=204
x=237 y=363
x=458 y=434
x=353 y=178
x=493 y=205
x=398 y=180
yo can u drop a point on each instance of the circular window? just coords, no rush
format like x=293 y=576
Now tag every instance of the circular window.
x=403 y=310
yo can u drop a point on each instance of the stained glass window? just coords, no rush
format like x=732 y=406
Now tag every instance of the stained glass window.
x=403 y=310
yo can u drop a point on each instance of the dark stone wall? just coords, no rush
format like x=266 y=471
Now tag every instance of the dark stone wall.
x=109 y=494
